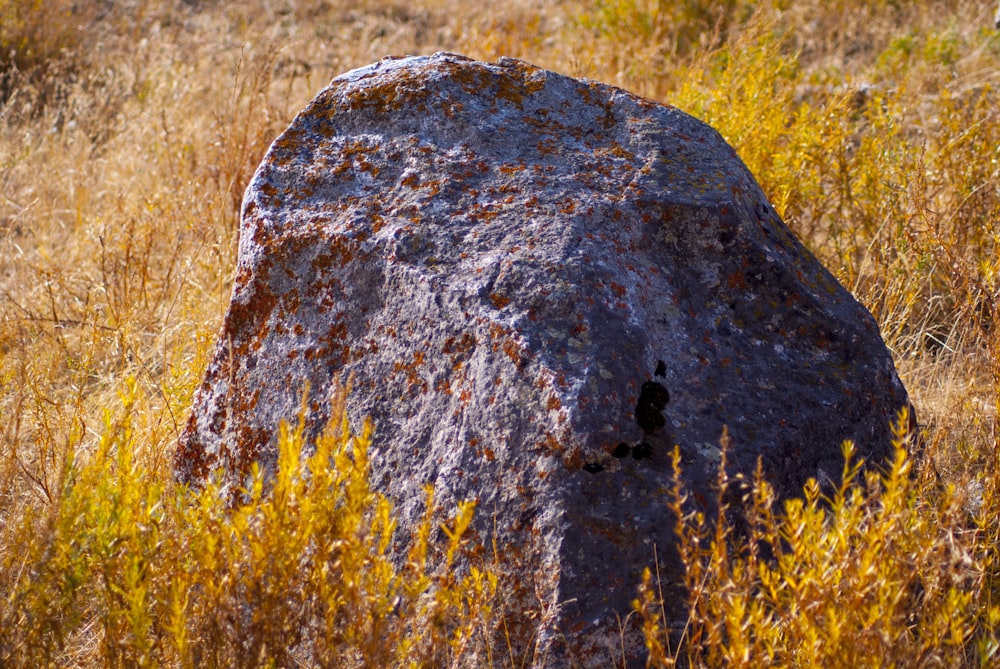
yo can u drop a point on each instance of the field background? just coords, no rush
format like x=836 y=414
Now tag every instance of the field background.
x=128 y=131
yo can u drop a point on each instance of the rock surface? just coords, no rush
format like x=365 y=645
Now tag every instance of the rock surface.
x=540 y=285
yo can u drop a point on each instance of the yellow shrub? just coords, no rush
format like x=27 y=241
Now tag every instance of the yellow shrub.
x=901 y=208
x=299 y=574
x=880 y=572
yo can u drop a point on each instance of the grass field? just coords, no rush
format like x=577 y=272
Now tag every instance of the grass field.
x=128 y=131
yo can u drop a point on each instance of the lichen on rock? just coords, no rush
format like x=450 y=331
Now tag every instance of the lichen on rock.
x=539 y=285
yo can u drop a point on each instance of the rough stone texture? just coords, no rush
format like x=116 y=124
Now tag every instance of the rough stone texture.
x=540 y=286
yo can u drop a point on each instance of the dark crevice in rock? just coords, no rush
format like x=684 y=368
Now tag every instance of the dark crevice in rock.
x=621 y=450
x=642 y=451
x=648 y=410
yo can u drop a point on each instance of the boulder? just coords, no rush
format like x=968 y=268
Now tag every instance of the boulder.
x=539 y=285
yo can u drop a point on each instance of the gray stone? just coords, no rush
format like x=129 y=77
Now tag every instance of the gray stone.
x=540 y=285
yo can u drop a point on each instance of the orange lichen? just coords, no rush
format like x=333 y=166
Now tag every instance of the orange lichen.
x=499 y=301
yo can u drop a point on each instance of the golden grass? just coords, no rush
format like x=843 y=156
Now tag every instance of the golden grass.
x=144 y=573
x=829 y=581
x=127 y=134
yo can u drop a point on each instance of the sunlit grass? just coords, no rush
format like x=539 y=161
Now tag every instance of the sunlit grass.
x=157 y=574
x=878 y=572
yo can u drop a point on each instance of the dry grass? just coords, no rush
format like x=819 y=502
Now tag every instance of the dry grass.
x=128 y=131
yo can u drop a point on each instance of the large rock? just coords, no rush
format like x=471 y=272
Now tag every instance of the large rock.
x=540 y=285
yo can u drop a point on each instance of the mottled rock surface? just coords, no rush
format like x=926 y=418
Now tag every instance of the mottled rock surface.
x=539 y=285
